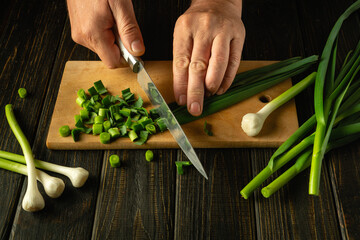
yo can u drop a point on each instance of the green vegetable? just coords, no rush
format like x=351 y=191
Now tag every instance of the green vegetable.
x=114 y=161
x=33 y=201
x=142 y=138
x=104 y=137
x=100 y=88
x=64 y=131
x=149 y=155
x=150 y=128
x=114 y=132
x=75 y=133
x=97 y=128
x=180 y=165
x=337 y=114
x=84 y=114
x=53 y=186
x=77 y=176
x=22 y=92
x=132 y=135
x=107 y=125
x=246 y=85
x=99 y=119
x=252 y=123
x=326 y=105
x=207 y=130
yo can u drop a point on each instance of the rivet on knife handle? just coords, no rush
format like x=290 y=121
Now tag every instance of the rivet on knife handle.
x=133 y=61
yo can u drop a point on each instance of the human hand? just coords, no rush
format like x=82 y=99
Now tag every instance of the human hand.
x=208 y=41
x=92 y=23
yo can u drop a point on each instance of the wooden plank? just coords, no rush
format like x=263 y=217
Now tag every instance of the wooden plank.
x=137 y=200
x=225 y=124
x=213 y=209
x=71 y=215
x=25 y=62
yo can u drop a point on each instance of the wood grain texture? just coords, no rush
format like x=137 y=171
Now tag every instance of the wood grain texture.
x=24 y=62
x=225 y=124
x=214 y=209
x=137 y=200
x=74 y=211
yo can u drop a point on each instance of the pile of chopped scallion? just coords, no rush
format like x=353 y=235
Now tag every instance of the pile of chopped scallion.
x=112 y=117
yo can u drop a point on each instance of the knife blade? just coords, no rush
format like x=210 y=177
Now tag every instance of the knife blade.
x=158 y=102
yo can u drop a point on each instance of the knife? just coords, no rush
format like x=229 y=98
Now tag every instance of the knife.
x=156 y=99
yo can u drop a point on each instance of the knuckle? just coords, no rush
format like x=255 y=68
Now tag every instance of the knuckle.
x=234 y=61
x=198 y=66
x=183 y=21
x=129 y=29
x=182 y=62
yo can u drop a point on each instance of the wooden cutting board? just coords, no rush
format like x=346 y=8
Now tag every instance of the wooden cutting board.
x=226 y=125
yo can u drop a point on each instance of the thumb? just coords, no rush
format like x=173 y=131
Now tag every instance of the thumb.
x=127 y=26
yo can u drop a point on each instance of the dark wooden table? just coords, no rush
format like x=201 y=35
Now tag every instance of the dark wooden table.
x=149 y=200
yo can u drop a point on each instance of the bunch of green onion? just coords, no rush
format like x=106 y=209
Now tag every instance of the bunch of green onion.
x=334 y=124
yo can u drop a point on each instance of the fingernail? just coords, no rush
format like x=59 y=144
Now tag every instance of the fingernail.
x=220 y=91
x=182 y=99
x=195 y=108
x=136 y=46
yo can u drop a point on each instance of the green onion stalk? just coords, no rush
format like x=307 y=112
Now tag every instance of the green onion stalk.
x=326 y=106
x=245 y=85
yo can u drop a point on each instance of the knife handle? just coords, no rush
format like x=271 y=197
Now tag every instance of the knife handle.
x=134 y=62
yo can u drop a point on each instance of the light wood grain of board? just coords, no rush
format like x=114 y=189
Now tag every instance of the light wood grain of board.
x=226 y=124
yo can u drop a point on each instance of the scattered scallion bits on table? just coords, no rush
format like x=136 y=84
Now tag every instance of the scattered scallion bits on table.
x=149 y=155
x=22 y=92
x=64 y=131
x=180 y=165
x=207 y=129
x=112 y=117
x=114 y=161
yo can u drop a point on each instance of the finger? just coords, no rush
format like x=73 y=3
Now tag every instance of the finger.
x=182 y=47
x=217 y=64
x=197 y=71
x=128 y=27
x=104 y=45
x=236 y=46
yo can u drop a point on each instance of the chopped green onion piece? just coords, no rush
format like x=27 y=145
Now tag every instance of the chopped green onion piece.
x=125 y=112
x=84 y=114
x=91 y=118
x=106 y=101
x=81 y=93
x=207 y=129
x=64 y=131
x=99 y=119
x=75 y=133
x=123 y=130
x=128 y=122
x=149 y=155
x=97 y=128
x=132 y=135
x=180 y=164
x=137 y=127
x=92 y=91
x=100 y=88
x=80 y=101
x=143 y=138
x=103 y=112
x=139 y=102
x=114 y=132
x=106 y=125
x=104 y=137
x=151 y=128
x=161 y=124
x=22 y=92
x=97 y=106
x=114 y=161
x=77 y=118
x=118 y=117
